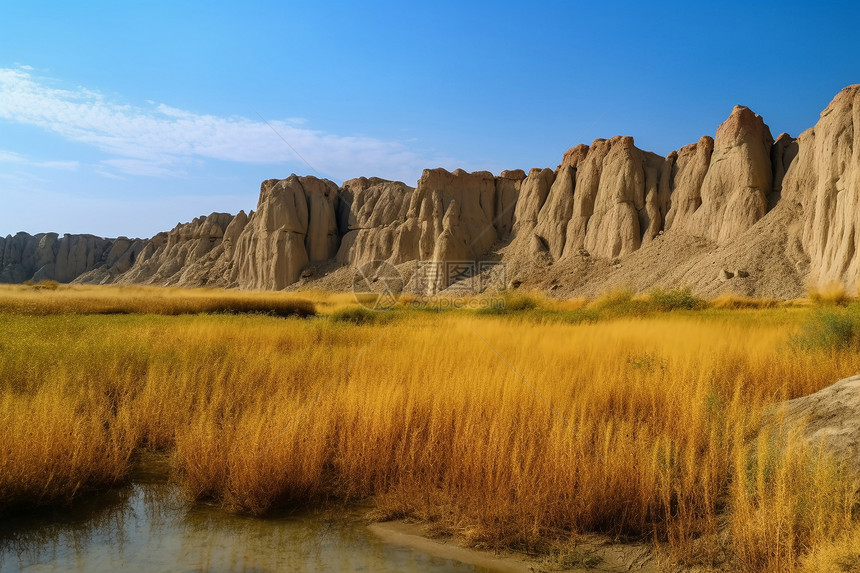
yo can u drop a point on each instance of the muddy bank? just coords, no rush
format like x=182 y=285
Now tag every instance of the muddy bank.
x=591 y=553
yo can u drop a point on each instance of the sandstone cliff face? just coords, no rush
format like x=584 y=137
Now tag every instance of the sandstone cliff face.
x=739 y=198
x=295 y=223
x=825 y=180
x=534 y=191
x=739 y=179
x=681 y=181
x=447 y=217
x=508 y=185
x=604 y=200
x=614 y=228
x=373 y=219
x=553 y=217
x=609 y=199
x=782 y=153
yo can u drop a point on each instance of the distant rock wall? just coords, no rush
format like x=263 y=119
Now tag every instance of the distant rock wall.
x=47 y=256
x=606 y=200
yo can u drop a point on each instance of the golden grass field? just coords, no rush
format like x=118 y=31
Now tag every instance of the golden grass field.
x=519 y=428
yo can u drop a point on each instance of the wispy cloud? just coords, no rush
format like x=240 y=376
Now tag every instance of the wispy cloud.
x=159 y=168
x=155 y=139
x=18 y=159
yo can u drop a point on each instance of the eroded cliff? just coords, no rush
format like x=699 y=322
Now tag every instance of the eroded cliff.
x=786 y=210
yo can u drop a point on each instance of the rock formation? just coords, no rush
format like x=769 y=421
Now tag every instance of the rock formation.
x=372 y=215
x=824 y=179
x=554 y=215
x=782 y=153
x=681 y=182
x=533 y=193
x=785 y=212
x=295 y=223
x=181 y=256
x=447 y=217
x=508 y=185
x=739 y=178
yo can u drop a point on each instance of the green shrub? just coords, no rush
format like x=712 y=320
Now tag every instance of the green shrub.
x=520 y=302
x=669 y=300
x=511 y=303
x=836 y=329
x=357 y=315
x=238 y=305
x=620 y=303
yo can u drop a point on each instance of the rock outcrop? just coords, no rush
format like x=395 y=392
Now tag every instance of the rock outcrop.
x=447 y=217
x=739 y=178
x=553 y=217
x=508 y=185
x=372 y=215
x=782 y=153
x=787 y=212
x=534 y=191
x=827 y=418
x=295 y=223
x=681 y=182
x=824 y=179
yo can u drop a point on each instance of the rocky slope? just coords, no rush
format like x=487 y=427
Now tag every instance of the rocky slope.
x=739 y=212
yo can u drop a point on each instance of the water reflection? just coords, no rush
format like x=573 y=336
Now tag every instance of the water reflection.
x=148 y=527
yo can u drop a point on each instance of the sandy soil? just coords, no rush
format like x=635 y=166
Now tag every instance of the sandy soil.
x=593 y=554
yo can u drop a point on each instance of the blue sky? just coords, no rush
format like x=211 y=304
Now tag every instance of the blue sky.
x=124 y=118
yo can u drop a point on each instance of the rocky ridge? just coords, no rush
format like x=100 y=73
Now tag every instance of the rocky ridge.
x=740 y=212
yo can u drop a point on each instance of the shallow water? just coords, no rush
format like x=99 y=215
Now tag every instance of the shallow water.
x=147 y=526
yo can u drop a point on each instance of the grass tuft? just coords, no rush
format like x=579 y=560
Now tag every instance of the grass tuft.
x=512 y=303
x=148 y=300
x=730 y=301
x=42 y=285
x=357 y=315
x=830 y=294
x=669 y=300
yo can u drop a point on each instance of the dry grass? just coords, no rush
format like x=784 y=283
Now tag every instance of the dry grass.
x=735 y=301
x=48 y=297
x=643 y=426
x=839 y=556
x=830 y=294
